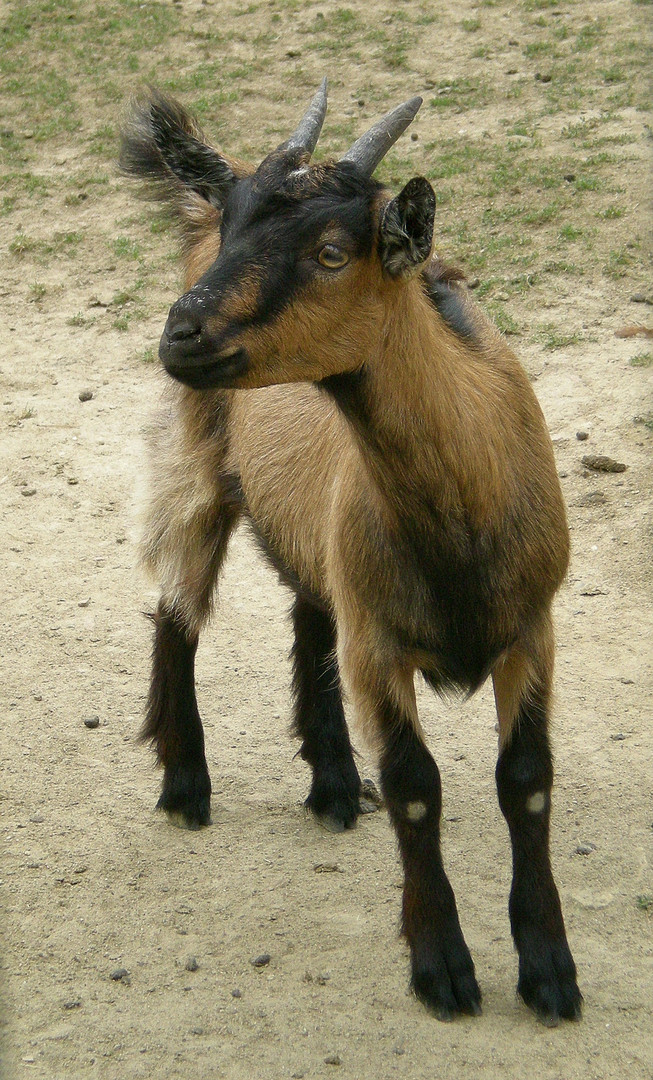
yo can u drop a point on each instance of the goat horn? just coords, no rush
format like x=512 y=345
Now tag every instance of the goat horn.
x=372 y=147
x=310 y=126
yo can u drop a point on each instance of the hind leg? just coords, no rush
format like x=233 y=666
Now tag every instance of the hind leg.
x=186 y=552
x=320 y=720
x=547 y=973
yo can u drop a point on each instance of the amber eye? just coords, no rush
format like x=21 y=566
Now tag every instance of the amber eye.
x=332 y=257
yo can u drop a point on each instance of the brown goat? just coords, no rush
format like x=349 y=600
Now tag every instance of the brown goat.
x=337 y=387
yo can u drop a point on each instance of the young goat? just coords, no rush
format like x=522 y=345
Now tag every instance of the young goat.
x=337 y=387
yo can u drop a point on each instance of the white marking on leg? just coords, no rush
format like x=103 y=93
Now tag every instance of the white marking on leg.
x=536 y=803
x=415 y=811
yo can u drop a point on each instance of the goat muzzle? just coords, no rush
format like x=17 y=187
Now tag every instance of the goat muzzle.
x=196 y=358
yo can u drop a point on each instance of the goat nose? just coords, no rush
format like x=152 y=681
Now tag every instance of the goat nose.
x=180 y=328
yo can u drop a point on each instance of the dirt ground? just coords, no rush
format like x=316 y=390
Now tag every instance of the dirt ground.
x=92 y=880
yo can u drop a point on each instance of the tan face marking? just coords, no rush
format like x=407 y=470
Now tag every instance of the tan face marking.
x=416 y=811
x=536 y=803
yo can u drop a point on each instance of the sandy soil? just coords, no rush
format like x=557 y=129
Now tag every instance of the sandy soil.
x=94 y=881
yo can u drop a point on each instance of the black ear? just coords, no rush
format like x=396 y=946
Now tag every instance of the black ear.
x=406 y=230
x=162 y=142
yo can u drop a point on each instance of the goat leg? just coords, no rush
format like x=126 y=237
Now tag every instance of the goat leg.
x=173 y=724
x=319 y=720
x=547 y=973
x=443 y=976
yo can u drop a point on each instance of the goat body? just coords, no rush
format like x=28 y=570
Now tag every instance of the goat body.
x=337 y=387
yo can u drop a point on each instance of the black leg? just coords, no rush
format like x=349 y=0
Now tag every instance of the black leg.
x=319 y=719
x=442 y=968
x=547 y=973
x=173 y=723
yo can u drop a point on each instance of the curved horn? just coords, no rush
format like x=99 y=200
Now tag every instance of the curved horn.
x=310 y=126
x=372 y=147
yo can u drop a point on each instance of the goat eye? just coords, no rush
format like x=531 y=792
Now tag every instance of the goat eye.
x=332 y=257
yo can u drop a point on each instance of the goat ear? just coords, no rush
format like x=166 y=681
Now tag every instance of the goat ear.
x=162 y=142
x=406 y=230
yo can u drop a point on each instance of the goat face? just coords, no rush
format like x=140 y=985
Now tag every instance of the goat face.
x=307 y=256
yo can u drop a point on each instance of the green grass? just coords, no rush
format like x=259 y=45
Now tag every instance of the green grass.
x=506 y=210
x=644 y=360
x=550 y=337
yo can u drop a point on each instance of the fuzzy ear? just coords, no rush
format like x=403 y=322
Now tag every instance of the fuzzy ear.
x=406 y=230
x=162 y=142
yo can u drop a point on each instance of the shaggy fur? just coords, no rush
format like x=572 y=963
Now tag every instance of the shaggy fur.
x=358 y=409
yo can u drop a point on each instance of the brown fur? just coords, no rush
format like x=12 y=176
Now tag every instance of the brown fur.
x=392 y=457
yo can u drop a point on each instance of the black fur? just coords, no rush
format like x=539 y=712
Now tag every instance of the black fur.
x=406 y=231
x=163 y=143
x=173 y=723
x=320 y=720
x=547 y=973
x=442 y=968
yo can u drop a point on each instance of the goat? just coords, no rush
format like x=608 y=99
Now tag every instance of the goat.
x=336 y=386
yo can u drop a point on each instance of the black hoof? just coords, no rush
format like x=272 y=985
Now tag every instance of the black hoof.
x=547 y=984
x=447 y=984
x=334 y=798
x=186 y=796
x=334 y=811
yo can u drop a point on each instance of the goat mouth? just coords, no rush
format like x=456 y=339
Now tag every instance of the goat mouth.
x=223 y=371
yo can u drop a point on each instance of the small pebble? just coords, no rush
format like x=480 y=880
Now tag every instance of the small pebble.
x=582 y=435
x=640 y=298
x=197 y=1031
x=618 y=736
x=261 y=961
x=76 y=1004
x=38 y=819
x=191 y=964
x=84 y=603
x=85 y=395
x=585 y=849
x=333 y=1059
x=120 y=975
x=569 y=177
x=28 y=491
x=92 y=722
x=236 y=993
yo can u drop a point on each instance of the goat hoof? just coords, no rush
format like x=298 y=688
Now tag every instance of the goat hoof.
x=547 y=984
x=335 y=809
x=447 y=997
x=186 y=797
x=445 y=981
x=331 y=824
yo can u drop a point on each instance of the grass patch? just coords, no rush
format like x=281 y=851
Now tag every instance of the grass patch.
x=644 y=359
x=125 y=248
x=550 y=337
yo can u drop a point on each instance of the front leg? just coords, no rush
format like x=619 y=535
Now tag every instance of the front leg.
x=547 y=973
x=443 y=976
x=173 y=724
